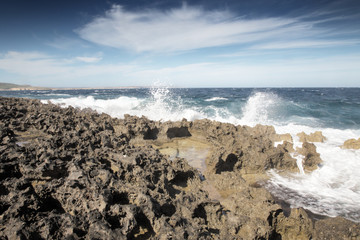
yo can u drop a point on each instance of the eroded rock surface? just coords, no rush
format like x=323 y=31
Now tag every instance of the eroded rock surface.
x=71 y=174
x=312 y=137
x=311 y=159
x=351 y=144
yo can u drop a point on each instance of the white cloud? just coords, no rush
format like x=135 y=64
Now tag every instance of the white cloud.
x=189 y=28
x=89 y=59
x=317 y=72
x=42 y=67
x=65 y=43
x=306 y=44
x=31 y=64
x=184 y=29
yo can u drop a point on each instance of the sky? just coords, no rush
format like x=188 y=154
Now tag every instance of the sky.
x=201 y=43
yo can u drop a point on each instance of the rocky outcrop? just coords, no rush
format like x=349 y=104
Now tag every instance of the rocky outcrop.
x=283 y=137
x=311 y=159
x=71 y=174
x=81 y=179
x=243 y=149
x=351 y=144
x=312 y=137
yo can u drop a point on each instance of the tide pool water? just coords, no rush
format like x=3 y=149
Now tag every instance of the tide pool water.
x=333 y=189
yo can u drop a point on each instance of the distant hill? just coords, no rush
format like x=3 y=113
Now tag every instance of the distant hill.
x=11 y=86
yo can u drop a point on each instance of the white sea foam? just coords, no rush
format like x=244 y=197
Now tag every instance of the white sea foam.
x=57 y=94
x=216 y=99
x=161 y=106
x=114 y=107
x=333 y=189
x=40 y=91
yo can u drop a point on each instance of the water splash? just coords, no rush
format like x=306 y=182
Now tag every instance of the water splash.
x=260 y=108
x=164 y=104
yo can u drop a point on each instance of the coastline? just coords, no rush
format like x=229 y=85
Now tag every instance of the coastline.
x=16 y=87
x=59 y=89
x=124 y=177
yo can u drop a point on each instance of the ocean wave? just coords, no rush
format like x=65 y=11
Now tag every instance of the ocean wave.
x=114 y=107
x=216 y=99
x=57 y=94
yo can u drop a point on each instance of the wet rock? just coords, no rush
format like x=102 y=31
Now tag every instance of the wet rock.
x=311 y=159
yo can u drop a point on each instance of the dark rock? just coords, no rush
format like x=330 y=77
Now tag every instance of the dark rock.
x=175 y=132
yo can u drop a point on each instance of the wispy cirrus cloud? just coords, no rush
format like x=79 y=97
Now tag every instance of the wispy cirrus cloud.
x=89 y=59
x=48 y=69
x=31 y=64
x=306 y=44
x=179 y=29
x=340 y=71
x=189 y=28
x=44 y=70
x=65 y=43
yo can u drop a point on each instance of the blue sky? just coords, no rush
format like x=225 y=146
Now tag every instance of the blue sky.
x=259 y=43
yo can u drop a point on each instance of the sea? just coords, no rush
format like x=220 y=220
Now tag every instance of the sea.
x=332 y=190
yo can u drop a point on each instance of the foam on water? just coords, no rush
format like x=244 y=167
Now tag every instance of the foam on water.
x=115 y=107
x=216 y=99
x=161 y=106
x=333 y=189
x=57 y=94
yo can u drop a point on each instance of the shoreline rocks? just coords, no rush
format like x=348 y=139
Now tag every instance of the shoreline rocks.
x=351 y=144
x=312 y=137
x=71 y=174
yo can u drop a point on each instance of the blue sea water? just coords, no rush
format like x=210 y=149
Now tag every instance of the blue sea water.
x=333 y=189
x=315 y=107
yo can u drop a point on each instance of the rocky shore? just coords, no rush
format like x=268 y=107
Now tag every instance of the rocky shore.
x=67 y=173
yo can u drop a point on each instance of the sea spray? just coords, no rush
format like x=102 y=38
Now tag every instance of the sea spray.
x=259 y=107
